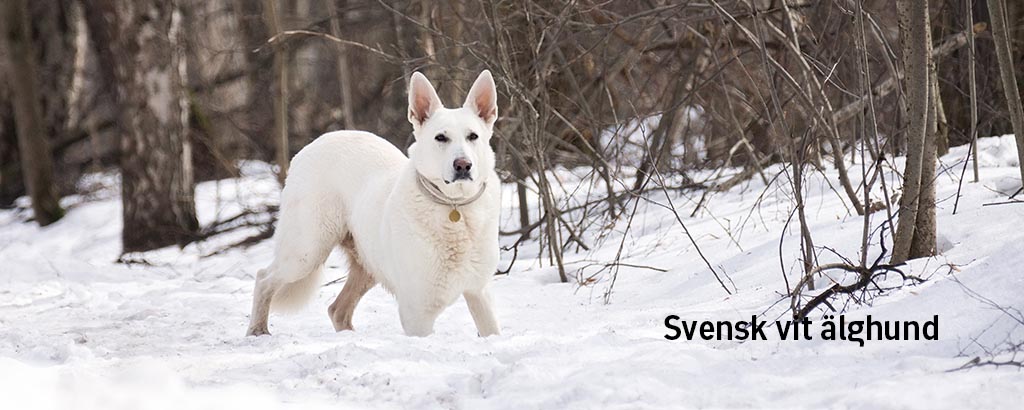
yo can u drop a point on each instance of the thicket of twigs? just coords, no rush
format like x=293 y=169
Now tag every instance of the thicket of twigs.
x=643 y=93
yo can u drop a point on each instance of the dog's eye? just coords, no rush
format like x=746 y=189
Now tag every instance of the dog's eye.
x=441 y=138
x=472 y=136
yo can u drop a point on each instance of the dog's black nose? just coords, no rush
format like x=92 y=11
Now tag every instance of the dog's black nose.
x=462 y=167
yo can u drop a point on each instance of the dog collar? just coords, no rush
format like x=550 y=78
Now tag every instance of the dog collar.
x=437 y=196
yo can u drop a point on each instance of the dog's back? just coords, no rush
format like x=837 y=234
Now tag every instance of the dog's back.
x=341 y=163
x=326 y=178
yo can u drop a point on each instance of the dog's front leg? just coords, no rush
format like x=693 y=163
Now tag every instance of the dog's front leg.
x=480 y=306
x=417 y=318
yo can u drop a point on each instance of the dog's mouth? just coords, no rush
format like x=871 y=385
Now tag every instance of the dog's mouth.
x=460 y=176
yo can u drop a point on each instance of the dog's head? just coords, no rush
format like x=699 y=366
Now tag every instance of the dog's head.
x=452 y=147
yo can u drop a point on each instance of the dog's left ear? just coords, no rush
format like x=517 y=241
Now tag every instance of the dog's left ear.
x=483 y=98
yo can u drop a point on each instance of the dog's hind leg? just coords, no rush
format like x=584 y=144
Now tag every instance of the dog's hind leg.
x=264 y=291
x=359 y=282
x=302 y=243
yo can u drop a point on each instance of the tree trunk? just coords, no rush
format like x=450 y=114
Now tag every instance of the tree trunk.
x=997 y=12
x=256 y=121
x=33 y=141
x=272 y=16
x=914 y=30
x=53 y=27
x=941 y=132
x=923 y=244
x=972 y=79
x=660 y=137
x=12 y=185
x=139 y=41
x=344 y=71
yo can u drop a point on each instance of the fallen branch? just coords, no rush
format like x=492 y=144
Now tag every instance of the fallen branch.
x=1003 y=203
x=977 y=362
x=950 y=43
x=866 y=276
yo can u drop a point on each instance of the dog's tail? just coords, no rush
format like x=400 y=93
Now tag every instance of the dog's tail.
x=294 y=296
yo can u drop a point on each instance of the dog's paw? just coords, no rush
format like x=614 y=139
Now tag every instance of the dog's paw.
x=257 y=332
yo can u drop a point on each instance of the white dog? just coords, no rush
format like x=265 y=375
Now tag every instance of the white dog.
x=425 y=227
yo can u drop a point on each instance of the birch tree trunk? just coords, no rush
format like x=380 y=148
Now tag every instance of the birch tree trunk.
x=33 y=139
x=139 y=41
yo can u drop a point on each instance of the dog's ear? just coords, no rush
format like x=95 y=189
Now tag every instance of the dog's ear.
x=423 y=100
x=483 y=98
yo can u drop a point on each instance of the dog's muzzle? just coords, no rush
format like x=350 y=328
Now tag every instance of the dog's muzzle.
x=462 y=167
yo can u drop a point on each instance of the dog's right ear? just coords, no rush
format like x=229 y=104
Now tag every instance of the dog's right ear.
x=423 y=100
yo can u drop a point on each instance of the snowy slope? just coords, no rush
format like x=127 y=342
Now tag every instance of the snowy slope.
x=78 y=330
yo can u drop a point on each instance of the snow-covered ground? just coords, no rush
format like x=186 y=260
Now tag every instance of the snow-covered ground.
x=79 y=330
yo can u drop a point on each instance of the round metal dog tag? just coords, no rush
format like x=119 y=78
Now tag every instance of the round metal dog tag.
x=454 y=215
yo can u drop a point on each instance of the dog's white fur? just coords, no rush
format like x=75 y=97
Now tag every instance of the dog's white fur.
x=356 y=190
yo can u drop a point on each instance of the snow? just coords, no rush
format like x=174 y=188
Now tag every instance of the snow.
x=629 y=141
x=79 y=330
